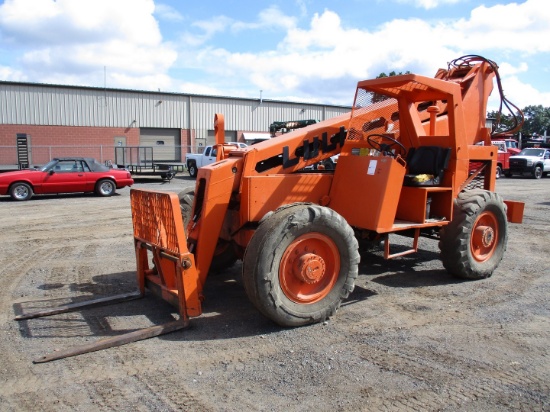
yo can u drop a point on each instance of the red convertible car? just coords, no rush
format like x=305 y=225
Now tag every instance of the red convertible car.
x=64 y=175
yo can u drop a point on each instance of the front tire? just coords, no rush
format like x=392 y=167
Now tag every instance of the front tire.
x=498 y=173
x=473 y=243
x=224 y=255
x=300 y=264
x=186 y=198
x=105 y=188
x=537 y=172
x=21 y=191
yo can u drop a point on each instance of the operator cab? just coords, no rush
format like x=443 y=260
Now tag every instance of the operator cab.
x=397 y=160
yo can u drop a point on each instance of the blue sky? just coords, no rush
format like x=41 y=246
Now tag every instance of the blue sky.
x=298 y=50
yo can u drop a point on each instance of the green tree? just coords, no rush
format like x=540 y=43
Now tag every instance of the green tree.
x=392 y=73
x=537 y=120
x=501 y=121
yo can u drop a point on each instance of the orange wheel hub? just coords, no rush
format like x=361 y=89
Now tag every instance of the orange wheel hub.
x=309 y=268
x=484 y=237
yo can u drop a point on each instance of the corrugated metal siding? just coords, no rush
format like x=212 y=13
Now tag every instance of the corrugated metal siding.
x=333 y=112
x=252 y=116
x=57 y=106
x=95 y=107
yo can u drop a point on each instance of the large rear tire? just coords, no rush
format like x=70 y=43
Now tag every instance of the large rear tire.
x=224 y=255
x=473 y=243
x=300 y=264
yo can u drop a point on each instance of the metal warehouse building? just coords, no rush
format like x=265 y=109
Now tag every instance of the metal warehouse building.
x=40 y=121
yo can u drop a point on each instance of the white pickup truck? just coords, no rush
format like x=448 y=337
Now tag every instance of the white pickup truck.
x=208 y=156
x=533 y=160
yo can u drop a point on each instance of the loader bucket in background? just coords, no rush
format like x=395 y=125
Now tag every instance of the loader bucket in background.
x=159 y=234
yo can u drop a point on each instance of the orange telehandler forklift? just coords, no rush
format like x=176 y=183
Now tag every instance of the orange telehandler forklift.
x=404 y=169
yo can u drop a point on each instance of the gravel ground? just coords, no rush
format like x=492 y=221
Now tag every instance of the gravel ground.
x=410 y=337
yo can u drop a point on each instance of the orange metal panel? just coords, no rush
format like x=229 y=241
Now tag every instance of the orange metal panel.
x=482 y=152
x=262 y=194
x=218 y=181
x=412 y=204
x=416 y=201
x=366 y=190
x=515 y=211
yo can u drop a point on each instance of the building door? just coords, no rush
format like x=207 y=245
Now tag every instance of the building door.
x=166 y=143
x=120 y=151
x=23 y=152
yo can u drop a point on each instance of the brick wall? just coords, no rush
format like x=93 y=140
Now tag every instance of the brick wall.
x=56 y=141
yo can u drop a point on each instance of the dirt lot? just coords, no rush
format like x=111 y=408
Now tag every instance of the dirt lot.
x=410 y=337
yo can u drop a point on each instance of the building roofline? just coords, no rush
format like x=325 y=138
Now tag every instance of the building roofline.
x=112 y=89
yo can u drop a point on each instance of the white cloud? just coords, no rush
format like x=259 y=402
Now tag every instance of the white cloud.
x=506 y=69
x=67 y=21
x=166 y=12
x=209 y=28
x=325 y=32
x=215 y=25
x=428 y=4
x=271 y=17
x=302 y=6
x=326 y=51
x=520 y=27
x=520 y=93
x=194 y=88
x=67 y=39
x=14 y=75
x=127 y=66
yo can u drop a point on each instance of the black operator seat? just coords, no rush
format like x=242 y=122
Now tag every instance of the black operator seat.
x=426 y=165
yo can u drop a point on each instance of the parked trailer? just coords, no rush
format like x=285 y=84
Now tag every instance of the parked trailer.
x=139 y=160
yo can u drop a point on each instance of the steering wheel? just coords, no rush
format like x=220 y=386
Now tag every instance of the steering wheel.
x=386 y=148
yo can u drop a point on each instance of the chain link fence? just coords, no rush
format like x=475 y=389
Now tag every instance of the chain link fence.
x=39 y=155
